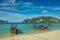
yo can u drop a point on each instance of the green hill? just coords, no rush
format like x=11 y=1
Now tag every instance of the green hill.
x=42 y=19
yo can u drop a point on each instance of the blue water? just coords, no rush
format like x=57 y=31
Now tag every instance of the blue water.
x=25 y=27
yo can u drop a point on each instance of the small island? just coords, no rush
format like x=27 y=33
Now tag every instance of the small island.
x=3 y=21
x=42 y=19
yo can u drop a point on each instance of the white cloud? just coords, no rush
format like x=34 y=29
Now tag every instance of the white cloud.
x=41 y=7
x=3 y=4
x=56 y=8
x=44 y=11
x=8 y=8
x=27 y=4
x=51 y=8
x=16 y=15
x=12 y=1
x=11 y=17
x=3 y=18
x=13 y=10
x=9 y=14
x=27 y=10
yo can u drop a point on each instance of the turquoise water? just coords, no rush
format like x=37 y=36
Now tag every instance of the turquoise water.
x=26 y=27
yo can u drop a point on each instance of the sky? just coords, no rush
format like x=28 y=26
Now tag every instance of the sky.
x=18 y=10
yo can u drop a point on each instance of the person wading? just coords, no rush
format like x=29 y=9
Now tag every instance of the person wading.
x=14 y=29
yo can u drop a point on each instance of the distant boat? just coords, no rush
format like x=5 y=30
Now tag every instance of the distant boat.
x=42 y=27
x=45 y=28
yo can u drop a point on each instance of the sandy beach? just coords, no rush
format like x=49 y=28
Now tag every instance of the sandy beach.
x=51 y=35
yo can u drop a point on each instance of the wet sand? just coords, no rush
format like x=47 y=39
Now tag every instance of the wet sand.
x=51 y=35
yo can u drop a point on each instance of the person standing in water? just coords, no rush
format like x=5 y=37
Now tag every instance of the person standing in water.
x=14 y=29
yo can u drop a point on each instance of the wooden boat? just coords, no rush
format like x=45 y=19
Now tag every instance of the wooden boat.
x=45 y=28
x=42 y=27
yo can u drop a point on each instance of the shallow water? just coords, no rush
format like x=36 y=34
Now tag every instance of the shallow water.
x=26 y=27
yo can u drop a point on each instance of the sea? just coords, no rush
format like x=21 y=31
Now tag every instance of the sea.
x=26 y=28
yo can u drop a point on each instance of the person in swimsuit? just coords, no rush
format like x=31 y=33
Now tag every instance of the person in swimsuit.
x=13 y=30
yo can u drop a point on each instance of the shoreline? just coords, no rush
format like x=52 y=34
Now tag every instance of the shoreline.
x=29 y=33
x=37 y=36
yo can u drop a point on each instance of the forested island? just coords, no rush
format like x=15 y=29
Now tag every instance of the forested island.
x=3 y=21
x=42 y=19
